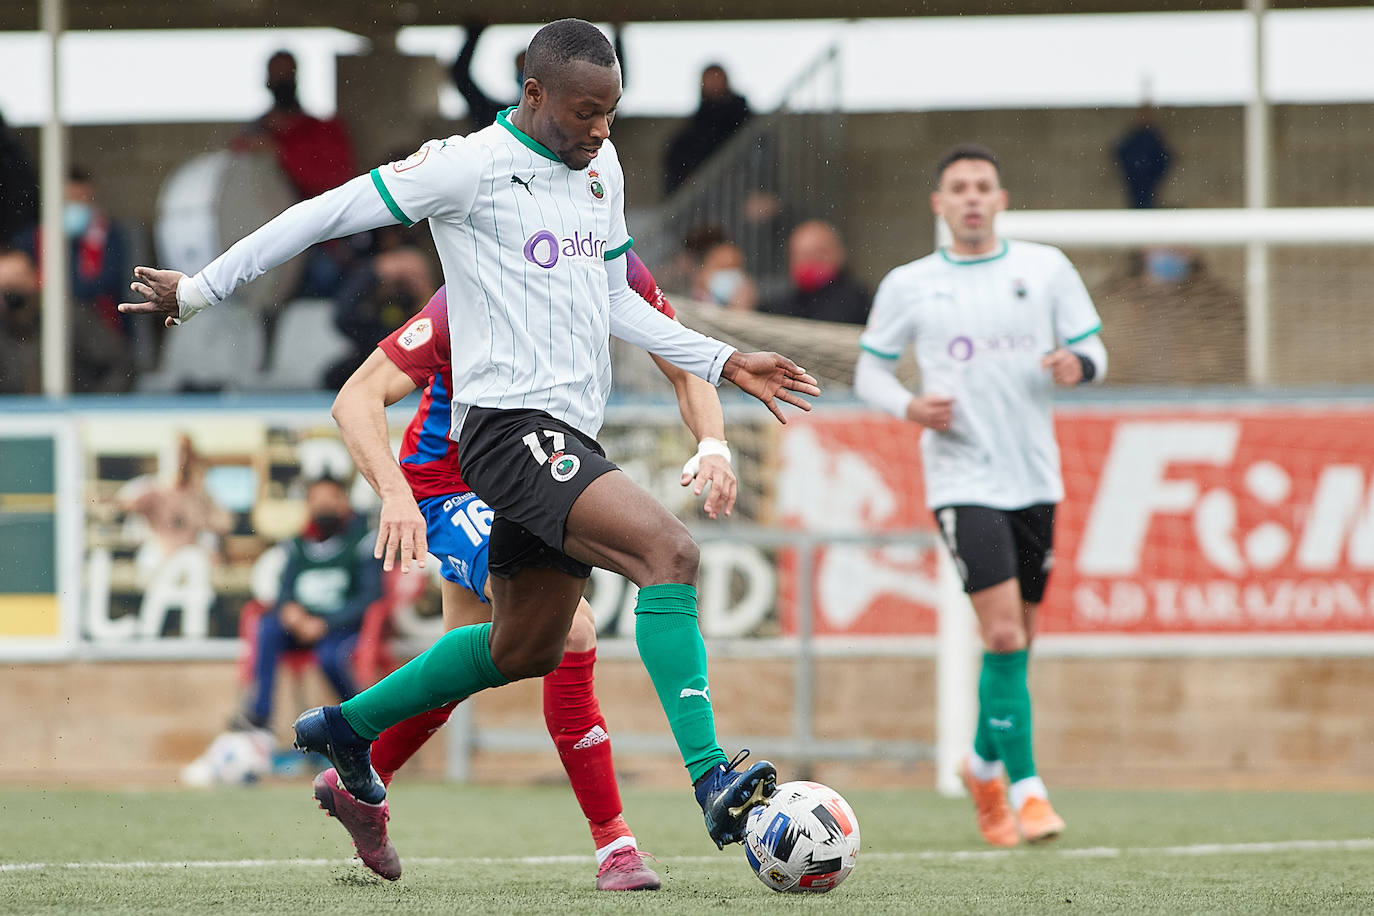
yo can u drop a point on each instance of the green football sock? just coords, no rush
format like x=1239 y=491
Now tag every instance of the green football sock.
x=673 y=653
x=1005 y=712
x=983 y=744
x=456 y=666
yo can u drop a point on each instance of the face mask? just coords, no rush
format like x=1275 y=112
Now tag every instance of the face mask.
x=76 y=218
x=723 y=284
x=284 y=93
x=812 y=277
x=327 y=524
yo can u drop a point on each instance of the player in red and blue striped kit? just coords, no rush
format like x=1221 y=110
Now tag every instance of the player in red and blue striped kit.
x=457 y=526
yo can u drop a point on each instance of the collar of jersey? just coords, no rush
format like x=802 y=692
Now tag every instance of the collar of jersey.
x=983 y=260
x=523 y=137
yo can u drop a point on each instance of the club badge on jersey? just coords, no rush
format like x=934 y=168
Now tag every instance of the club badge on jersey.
x=594 y=184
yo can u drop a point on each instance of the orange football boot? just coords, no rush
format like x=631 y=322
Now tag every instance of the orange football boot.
x=1039 y=823
x=989 y=796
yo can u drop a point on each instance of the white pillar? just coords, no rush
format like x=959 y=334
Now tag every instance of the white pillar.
x=1257 y=196
x=55 y=324
x=956 y=690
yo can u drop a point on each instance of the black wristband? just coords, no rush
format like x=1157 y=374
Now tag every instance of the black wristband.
x=1089 y=369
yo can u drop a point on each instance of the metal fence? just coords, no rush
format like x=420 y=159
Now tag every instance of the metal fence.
x=953 y=649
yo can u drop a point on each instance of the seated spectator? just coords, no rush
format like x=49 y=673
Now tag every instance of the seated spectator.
x=330 y=579
x=98 y=271
x=20 y=365
x=721 y=279
x=18 y=187
x=315 y=155
x=722 y=112
x=377 y=297
x=821 y=288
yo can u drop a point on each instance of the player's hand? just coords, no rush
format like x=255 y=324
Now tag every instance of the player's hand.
x=401 y=534
x=1064 y=367
x=714 y=472
x=935 y=411
x=159 y=291
x=771 y=378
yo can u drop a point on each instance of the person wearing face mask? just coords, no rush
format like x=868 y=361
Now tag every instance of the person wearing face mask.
x=820 y=287
x=722 y=280
x=19 y=357
x=98 y=263
x=329 y=580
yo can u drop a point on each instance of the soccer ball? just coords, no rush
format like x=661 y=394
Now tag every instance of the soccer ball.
x=233 y=758
x=804 y=840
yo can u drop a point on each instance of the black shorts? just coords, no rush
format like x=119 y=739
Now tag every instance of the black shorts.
x=529 y=468
x=991 y=546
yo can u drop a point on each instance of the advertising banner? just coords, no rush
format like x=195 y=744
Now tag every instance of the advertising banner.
x=1221 y=520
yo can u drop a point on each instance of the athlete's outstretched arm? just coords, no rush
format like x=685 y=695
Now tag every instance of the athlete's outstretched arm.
x=767 y=376
x=710 y=466
x=352 y=207
x=360 y=411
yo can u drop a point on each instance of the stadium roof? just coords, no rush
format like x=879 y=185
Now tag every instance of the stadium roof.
x=374 y=17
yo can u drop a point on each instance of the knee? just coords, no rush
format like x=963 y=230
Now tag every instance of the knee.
x=582 y=634
x=676 y=557
x=1004 y=638
x=332 y=656
x=526 y=661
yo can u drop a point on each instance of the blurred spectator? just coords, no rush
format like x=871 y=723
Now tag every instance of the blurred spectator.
x=18 y=187
x=722 y=112
x=180 y=515
x=482 y=108
x=315 y=155
x=1144 y=159
x=377 y=297
x=821 y=287
x=329 y=580
x=99 y=268
x=721 y=279
x=20 y=367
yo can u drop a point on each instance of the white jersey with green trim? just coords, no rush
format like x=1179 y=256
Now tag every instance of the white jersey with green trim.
x=525 y=243
x=981 y=327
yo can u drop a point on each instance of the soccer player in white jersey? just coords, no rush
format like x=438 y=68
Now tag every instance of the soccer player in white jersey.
x=996 y=324
x=529 y=221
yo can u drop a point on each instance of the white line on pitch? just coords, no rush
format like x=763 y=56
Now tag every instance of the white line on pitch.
x=1095 y=852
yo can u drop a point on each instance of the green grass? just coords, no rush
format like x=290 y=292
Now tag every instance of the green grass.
x=470 y=850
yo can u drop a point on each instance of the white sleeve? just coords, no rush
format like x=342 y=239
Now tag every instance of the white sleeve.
x=440 y=179
x=1075 y=318
x=353 y=206
x=1091 y=347
x=875 y=382
x=637 y=322
x=889 y=327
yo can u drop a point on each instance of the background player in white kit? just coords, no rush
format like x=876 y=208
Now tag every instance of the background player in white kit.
x=528 y=218
x=995 y=324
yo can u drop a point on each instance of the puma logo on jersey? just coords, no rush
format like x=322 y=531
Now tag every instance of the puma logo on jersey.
x=693 y=692
x=1002 y=725
x=515 y=179
x=592 y=738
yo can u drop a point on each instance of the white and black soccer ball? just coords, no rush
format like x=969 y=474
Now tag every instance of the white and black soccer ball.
x=233 y=758
x=805 y=840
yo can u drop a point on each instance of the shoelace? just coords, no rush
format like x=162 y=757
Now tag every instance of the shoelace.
x=737 y=760
x=620 y=855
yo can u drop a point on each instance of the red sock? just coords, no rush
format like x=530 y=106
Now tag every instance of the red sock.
x=579 y=731
x=399 y=743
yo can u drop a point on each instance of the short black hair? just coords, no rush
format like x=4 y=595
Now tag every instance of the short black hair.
x=965 y=151
x=562 y=42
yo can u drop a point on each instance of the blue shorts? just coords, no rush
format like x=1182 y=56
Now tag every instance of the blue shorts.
x=458 y=528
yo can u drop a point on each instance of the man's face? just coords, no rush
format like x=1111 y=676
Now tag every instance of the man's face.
x=970 y=195
x=325 y=497
x=715 y=85
x=573 y=115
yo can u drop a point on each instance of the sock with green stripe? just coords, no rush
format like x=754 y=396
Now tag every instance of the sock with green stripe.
x=673 y=653
x=1005 y=711
x=458 y=665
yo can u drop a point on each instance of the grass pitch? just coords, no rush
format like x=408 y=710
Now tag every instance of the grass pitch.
x=267 y=849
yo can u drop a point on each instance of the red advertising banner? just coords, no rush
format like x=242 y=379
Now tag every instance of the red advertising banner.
x=1209 y=521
